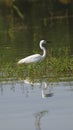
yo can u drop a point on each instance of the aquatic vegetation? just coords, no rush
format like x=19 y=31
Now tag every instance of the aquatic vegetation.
x=52 y=68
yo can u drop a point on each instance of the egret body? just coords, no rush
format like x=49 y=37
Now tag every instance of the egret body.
x=36 y=57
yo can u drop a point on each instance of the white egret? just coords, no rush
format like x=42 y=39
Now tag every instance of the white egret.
x=36 y=57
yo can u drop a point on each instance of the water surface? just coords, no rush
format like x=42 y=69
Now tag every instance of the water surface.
x=42 y=104
x=22 y=106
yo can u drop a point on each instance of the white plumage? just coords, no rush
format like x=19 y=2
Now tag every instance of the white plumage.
x=36 y=57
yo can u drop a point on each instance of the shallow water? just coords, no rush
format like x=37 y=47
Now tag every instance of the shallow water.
x=22 y=106
x=38 y=106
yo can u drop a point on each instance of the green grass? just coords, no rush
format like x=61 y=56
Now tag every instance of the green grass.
x=53 y=68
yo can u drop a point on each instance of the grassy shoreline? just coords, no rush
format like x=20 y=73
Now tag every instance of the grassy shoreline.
x=53 y=68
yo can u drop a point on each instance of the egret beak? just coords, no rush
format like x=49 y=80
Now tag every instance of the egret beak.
x=48 y=41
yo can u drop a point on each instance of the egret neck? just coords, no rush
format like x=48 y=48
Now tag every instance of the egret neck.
x=44 y=51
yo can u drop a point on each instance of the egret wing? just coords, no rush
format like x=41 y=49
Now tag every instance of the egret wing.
x=31 y=59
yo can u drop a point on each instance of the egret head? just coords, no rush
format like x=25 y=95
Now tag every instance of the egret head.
x=43 y=42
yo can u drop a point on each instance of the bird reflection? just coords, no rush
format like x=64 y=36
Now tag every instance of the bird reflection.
x=30 y=82
x=38 y=117
x=46 y=87
x=46 y=90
